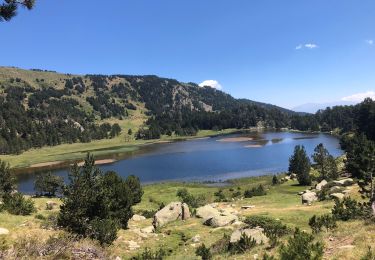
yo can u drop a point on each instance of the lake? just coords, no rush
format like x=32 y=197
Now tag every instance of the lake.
x=212 y=159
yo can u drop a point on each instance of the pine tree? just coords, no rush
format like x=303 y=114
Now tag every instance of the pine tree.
x=9 y=9
x=7 y=183
x=299 y=163
x=325 y=163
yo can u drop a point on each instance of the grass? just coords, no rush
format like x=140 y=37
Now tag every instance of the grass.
x=281 y=202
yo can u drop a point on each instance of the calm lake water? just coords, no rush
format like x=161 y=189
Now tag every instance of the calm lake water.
x=210 y=159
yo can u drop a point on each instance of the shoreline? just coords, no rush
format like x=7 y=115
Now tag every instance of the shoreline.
x=105 y=155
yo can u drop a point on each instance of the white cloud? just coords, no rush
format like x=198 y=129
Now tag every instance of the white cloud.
x=359 y=97
x=307 y=46
x=370 y=42
x=311 y=45
x=211 y=83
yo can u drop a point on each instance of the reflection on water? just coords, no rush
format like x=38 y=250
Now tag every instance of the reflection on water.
x=208 y=159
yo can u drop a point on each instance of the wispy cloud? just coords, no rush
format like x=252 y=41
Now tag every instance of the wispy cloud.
x=307 y=46
x=370 y=42
x=359 y=97
x=211 y=83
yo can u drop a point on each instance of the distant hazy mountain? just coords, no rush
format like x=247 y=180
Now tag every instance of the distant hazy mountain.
x=314 y=107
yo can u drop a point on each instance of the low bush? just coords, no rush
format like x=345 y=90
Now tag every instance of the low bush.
x=220 y=196
x=204 y=252
x=17 y=204
x=241 y=246
x=273 y=229
x=192 y=200
x=40 y=217
x=348 y=209
x=301 y=247
x=256 y=191
x=221 y=246
x=103 y=230
x=148 y=254
x=275 y=180
x=326 y=221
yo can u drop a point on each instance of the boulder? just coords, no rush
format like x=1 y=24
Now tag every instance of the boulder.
x=335 y=189
x=344 y=182
x=172 y=212
x=138 y=217
x=255 y=233
x=4 y=231
x=148 y=230
x=309 y=197
x=293 y=176
x=50 y=205
x=185 y=211
x=238 y=224
x=339 y=196
x=321 y=184
x=196 y=239
x=206 y=212
x=221 y=220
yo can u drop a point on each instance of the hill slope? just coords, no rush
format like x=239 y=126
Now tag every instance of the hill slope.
x=41 y=108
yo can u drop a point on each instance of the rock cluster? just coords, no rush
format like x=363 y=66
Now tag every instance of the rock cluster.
x=172 y=212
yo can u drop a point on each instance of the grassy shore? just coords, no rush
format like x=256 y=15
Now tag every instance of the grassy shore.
x=100 y=148
x=348 y=241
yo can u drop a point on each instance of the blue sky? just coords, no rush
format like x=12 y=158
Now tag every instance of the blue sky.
x=282 y=52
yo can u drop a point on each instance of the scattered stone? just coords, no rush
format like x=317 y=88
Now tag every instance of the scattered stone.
x=293 y=176
x=309 y=197
x=138 y=217
x=118 y=258
x=238 y=224
x=301 y=192
x=255 y=233
x=335 y=189
x=4 y=231
x=248 y=207
x=321 y=184
x=221 y=221
x=148 y=230
x=344 y=182
x=132 y=245
x=256 y=256
x=346 y=191
x=50 y=205
x=172 y=212
x=214 y=205
x=196 y=239
x=233 y=205
x=206 y=212
x=339 y=196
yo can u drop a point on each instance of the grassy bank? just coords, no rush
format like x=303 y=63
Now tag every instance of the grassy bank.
x=348 y=241
x=105 y=148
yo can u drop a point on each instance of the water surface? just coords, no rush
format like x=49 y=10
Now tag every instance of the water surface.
x=210 y=159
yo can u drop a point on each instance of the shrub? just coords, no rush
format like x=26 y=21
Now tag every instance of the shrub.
x=241 y=246
x=317 y=223
x=48 y=184
x=273 y=228
x=17 y=204
x=94 y=198
x=40 y=217
x=257 y=191
x=348 y=209
x=103 y=230
x=148 y=254
x=7 y=182
x=220 y=196
x=275 y=180
x=301 y=247
x=203 y=252
x=190 y=199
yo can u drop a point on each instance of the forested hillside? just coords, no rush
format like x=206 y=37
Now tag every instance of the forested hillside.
x=39 y=108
